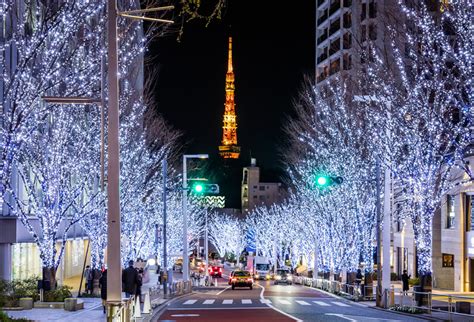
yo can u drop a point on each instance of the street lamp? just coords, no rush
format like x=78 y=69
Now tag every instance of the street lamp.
x=185 y=215
x=114 y=280
x=383 y=275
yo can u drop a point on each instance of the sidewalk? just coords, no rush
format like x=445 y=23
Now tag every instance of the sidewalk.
x=92 y=312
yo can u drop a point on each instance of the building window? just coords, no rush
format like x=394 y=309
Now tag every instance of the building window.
x=372 y=32
x=346 y=61
x=255 y=187
x=262 y=197
x=363 y=33
x=372 y=9
x=262 y=188
x=469 y=212
x=363 y=12
x=448 y=260
x=450 y=211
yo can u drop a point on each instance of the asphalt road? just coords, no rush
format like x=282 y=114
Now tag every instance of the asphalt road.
x=272 y=303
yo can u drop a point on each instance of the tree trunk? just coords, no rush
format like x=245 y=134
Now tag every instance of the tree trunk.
x=49 y=278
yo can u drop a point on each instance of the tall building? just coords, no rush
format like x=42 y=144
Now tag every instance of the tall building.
x=256 y=193
x=229 y=148
x=343 y=29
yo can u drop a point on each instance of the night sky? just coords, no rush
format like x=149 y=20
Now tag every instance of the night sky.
x=273 y=49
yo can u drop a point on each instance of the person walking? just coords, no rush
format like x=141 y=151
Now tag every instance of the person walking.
x=89 y=277
x=138 y=292
x=405 y=282
x=129 y=280
x=103 y=288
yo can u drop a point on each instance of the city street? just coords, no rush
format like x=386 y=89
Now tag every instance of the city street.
x=268 y=302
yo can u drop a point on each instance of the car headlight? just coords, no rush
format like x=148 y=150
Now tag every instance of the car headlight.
x=267 y=276
x=289 y=278
x=278 y=277
x=256 y=275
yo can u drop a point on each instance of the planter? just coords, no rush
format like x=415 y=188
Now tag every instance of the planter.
x=26 y=303
x=70 y=304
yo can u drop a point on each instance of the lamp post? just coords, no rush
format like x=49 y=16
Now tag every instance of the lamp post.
x=114 y=280
x=383 y=246
x=185 y=214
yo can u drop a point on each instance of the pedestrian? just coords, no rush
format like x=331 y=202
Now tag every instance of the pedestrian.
x=85 y=276
x=138 y=292
x=405 y=280
x=129 y=280
x=89 y=276
x=103 y=288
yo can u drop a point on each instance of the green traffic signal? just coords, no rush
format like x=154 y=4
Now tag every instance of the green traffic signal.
x=198 y=188
x=322 y=181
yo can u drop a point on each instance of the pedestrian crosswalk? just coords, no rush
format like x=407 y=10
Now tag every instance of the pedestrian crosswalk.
x=273 y=301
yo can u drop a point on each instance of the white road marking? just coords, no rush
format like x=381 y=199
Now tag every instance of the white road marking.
x=274 y=308
x=190 y=302
x=219 y=293
x=341 y=316
x=340 y=304
x=303 y=303
x=227 y=301
x=284 y=302
x=265 y=301
x=321 y=303
x=246 y=301
x=209 y=302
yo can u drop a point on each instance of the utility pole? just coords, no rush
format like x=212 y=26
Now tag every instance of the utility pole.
x=114 y=275
x=379 y=241
x=165 y=219
x=206 y=249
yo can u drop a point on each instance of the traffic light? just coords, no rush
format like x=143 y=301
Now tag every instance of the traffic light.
x=323 y=181
x=205 y=188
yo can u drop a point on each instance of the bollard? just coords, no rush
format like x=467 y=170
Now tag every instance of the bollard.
x=137 y=311
x=385 y=298
x=215 y=282
x=392 y=296
x=147 y=304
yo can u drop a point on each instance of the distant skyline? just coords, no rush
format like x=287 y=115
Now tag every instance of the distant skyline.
x=273 y=51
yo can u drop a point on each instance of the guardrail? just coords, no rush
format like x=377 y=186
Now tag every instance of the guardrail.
x=125 y=312
x=428 y=301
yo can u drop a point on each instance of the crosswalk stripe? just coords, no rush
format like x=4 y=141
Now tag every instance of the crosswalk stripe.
x=340 y=304
x=227 y=301
x=265 y=301
x=189 y=302
x=209 y=302
x=246 y=301
x=284 y=302
x=320 y=303
x=302 y=302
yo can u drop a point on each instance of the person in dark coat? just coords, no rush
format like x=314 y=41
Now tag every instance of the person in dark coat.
x=405 y=279
x=139 y=284
x=103 y=287
x=129 y=280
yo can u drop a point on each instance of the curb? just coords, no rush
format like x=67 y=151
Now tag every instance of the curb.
x=162 y=307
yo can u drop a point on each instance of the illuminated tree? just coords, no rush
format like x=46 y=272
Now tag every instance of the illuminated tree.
x=422 y=114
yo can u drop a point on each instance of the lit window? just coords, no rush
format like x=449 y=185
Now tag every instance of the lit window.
x=451 y=215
